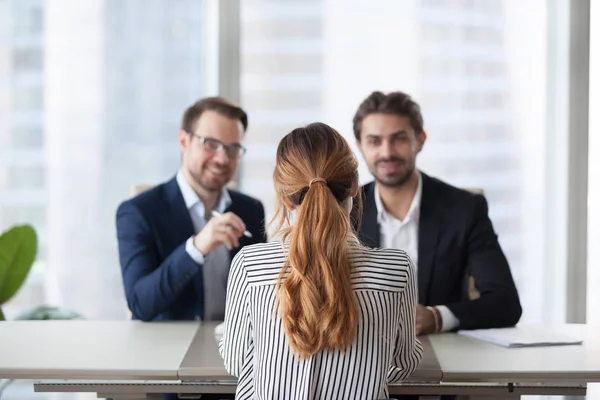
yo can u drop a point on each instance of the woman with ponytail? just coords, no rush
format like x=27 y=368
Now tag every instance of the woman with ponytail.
x=316 y=315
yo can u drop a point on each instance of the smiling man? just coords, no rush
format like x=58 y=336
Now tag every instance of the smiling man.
x=176 y=240
x=446 y=231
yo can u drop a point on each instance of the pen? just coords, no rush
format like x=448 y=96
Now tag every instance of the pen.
x=218 y=214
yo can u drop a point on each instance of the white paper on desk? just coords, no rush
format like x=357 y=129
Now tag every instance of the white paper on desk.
x=521 y=337
x=219 y=329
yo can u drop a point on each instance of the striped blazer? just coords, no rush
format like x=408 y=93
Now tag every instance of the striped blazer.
x=255 y=348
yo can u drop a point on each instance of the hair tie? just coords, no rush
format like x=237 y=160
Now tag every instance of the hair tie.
x=317 y=180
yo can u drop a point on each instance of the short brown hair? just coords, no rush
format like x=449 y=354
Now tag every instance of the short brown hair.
x=218 y=104
x=394 y=103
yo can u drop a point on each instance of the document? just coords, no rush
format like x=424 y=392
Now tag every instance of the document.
x=219 y=329
x=522 y=337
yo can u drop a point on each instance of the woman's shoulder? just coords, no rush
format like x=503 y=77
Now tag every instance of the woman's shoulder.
x=383 y=256
x=262 y=249
x=381 y=269
x=263 y=261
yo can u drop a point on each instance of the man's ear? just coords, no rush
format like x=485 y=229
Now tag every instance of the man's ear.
x=183 y=140
x=421 y=138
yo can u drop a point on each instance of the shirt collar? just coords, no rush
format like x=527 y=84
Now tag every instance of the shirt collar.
x=413 y=210
x=191 y=198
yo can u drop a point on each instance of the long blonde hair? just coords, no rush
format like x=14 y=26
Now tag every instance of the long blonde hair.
x=315 y=173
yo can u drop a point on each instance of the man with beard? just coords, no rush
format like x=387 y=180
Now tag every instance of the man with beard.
x=446 y=231
x=176 y=240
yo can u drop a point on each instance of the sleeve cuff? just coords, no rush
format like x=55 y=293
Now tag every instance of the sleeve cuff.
x=193 y=252
x=449 y=320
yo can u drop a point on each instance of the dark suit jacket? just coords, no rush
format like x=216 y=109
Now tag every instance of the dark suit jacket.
x=162 y=282
x=456 y=239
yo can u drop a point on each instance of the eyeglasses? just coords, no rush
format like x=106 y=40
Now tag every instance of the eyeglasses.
x=215 y=146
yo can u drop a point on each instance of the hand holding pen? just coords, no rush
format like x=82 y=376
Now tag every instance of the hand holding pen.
x=221 y=229
x=218 y=214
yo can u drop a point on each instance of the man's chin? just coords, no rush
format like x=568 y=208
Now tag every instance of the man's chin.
x=392 y=182
x=213 y=184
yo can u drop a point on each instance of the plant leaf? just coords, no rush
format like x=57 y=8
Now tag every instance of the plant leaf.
x=18 y=248
x=2 y=317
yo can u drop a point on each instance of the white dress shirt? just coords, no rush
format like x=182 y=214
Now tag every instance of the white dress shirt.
x=215 y=265
x=396 y=234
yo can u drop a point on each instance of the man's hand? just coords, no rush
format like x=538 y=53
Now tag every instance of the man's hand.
x=225 y=229
x=425 y=322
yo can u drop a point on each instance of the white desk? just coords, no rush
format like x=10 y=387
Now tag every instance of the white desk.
x=129 y=359
x=463 y=359
x=93 y=349
x=203 y=362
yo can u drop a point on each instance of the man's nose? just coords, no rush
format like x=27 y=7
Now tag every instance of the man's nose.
x=386 y=150
x=222 y=156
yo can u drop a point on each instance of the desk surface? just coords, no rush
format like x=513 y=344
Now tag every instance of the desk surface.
x=460 y=358
x=93 y=349
x=203 y=361
x=463 y=359
x=128 y=350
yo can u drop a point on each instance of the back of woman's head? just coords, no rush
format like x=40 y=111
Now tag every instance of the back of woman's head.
x=316 y=174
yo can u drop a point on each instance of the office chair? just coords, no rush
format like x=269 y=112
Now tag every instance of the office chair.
x=472 y=290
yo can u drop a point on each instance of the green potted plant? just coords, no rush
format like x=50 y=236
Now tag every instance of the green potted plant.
x=18 y=248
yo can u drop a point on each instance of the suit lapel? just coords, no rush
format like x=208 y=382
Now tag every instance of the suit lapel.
x=429 y=231
x=369 y=230
x=179 y=216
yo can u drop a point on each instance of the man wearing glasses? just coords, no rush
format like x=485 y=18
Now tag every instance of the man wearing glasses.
x=177 y=240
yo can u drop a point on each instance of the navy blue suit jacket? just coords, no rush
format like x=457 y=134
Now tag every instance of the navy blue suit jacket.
x=162 y=282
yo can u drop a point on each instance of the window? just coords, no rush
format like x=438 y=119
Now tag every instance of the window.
x=101 y=111
x=27 y=59
x=22 y=213
x=485 y=113
x=27 y=98
x=26 y=177
x=103 y=106
x=27 y=17
x=25 y=137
